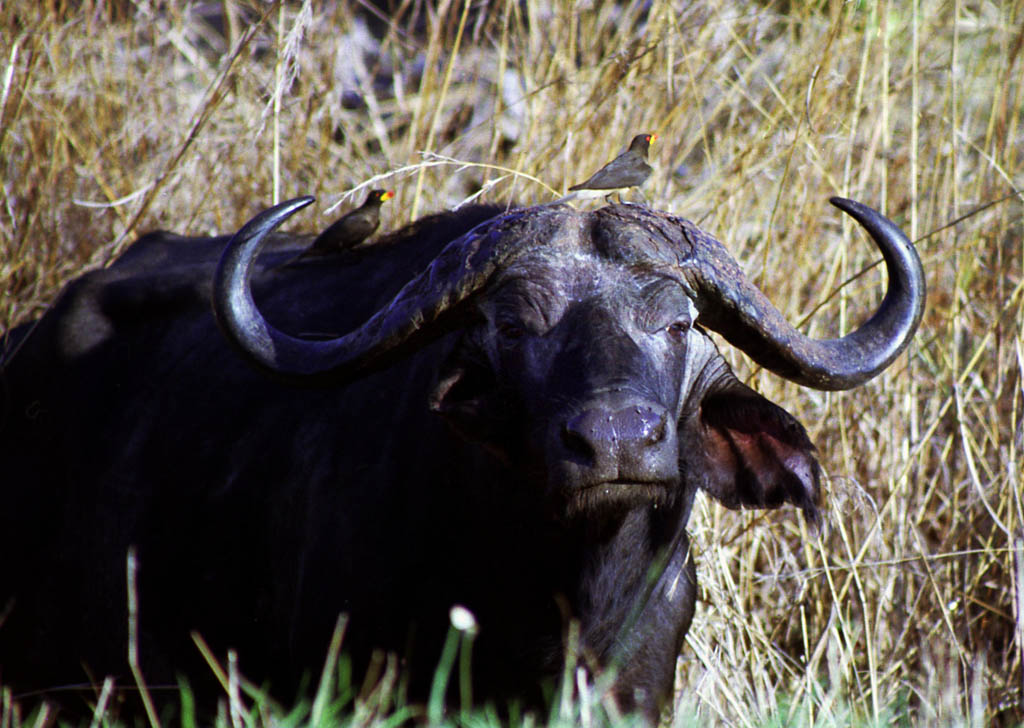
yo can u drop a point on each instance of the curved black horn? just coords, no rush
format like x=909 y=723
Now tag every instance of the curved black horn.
x=735 y=308
x=233 y=306
x=412 y=317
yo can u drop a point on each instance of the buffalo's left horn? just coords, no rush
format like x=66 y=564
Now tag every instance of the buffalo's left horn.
x=424 y=309
x=731 y=305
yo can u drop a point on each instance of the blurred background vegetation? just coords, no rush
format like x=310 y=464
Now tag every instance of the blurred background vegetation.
x=121 y=117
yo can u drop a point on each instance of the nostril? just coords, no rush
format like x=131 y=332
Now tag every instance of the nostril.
x=656 y=433
x=645 y=426
x=574 y=438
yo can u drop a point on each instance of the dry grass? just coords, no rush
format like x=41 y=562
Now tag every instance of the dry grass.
x=908 y=607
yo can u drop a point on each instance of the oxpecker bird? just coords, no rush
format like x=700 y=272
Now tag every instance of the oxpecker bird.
x=629 y=169
x=353 y=228
x=350 y=231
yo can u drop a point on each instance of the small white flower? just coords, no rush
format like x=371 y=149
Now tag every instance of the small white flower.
x=462 y=619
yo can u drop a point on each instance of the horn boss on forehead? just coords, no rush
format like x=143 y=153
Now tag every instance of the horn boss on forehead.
x=728 y=302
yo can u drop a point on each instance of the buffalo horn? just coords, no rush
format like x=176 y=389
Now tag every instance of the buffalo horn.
x=424 y=309
x=731 y=305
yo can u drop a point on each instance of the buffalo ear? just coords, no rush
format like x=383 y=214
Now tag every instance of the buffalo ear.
x=462 y=395
x=456 y=397
x=757 y=454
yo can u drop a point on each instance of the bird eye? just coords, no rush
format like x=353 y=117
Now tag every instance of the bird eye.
x=677 y=330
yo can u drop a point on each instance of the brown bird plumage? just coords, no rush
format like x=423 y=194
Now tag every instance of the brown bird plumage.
x=353 y=228
x=348 y=231
x=629 y=169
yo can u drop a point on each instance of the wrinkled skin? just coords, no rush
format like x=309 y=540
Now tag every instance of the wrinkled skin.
x=537 y=464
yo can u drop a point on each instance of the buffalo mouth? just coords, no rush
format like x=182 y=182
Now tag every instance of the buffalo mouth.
x=619 y=494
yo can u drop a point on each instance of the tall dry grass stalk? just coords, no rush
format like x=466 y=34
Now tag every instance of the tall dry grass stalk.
x=907 y=607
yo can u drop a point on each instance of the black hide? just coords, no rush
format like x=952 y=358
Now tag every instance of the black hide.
x=536 y=465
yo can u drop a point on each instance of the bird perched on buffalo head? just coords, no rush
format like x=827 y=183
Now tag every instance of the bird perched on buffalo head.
x=629 y=169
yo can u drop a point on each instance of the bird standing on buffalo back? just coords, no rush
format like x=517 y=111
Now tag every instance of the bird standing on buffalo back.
x=350 y=230
x=353 y=228
x=629 y=169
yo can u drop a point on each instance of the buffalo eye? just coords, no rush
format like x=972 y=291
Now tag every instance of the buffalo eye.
x=511 y=330
x=677 y=330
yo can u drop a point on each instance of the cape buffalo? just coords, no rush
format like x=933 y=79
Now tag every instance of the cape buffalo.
x=509 y=410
